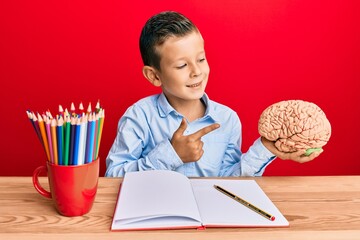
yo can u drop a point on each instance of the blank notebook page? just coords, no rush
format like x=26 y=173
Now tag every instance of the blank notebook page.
x=156 y=196
x=219 y=209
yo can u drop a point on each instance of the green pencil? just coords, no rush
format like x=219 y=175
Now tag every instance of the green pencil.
x=67 y=141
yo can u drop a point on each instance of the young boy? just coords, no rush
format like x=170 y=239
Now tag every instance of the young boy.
x=181 y=129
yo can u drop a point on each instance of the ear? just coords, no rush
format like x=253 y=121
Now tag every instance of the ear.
x=150 y=74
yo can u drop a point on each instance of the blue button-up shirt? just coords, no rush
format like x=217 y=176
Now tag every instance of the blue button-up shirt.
x=145 y=131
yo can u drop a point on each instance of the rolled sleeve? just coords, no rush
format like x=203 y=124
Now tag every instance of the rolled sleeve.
x=256 y=159
x=251 y=163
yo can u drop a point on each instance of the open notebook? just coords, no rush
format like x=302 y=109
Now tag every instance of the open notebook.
x=160 y=199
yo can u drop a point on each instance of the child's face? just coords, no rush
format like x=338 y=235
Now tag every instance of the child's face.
x=184 y=69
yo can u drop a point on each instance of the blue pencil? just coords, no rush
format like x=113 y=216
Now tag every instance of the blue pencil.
x=90 y=139
x=72 y=139
x=60 y=140
x=76 y=142
x=30 y=116
x=35 y=123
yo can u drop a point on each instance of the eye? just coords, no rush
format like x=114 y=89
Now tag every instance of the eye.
x=202 y=60
x=181 y=66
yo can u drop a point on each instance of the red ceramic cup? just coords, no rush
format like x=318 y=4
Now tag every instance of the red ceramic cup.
x=72 y=188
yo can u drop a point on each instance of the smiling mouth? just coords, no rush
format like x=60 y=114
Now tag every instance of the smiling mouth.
x=194 y=85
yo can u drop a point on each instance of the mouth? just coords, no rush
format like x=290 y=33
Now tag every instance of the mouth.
x=194 y=85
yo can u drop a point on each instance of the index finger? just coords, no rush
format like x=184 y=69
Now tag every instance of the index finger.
x=205 y=130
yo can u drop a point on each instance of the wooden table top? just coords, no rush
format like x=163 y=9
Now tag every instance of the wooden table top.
x=324 y=207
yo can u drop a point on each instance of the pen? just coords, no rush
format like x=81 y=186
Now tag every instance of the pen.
x=245 y=203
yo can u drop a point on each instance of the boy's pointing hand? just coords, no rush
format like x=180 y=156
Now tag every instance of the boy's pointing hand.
x=189 y=147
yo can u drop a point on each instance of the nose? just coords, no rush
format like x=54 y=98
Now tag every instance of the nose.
x=195 y=71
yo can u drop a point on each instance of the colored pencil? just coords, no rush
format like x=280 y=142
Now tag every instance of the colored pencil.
x=60 y=139
x=67 y=140
x=72 y=109
x=43 y=135
x=97 y=107
x=48 y=113
x=89 y=108
x=76 y=142
x=100 y=128
x=30 y=116
x=90 y=139
x=61 y=111
x=81 y=108
x=36 y=126
x=72 y=139
x=49 y=138
x=96 y=134
x=54 y=140
x=82 y=141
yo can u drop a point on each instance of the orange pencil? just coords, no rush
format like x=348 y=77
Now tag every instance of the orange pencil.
x=43 y=134
x=54 y=140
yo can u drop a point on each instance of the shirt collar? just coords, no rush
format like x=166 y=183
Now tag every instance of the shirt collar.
x=165 y=108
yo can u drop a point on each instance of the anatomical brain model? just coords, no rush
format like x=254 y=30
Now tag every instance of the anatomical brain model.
x=295 y=125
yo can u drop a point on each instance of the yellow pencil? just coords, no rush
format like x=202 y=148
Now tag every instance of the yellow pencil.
x=100 y=128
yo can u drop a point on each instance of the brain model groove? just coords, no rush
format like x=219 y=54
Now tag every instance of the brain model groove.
x=295 y=125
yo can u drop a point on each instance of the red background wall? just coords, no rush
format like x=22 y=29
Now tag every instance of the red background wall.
x=260 y=52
